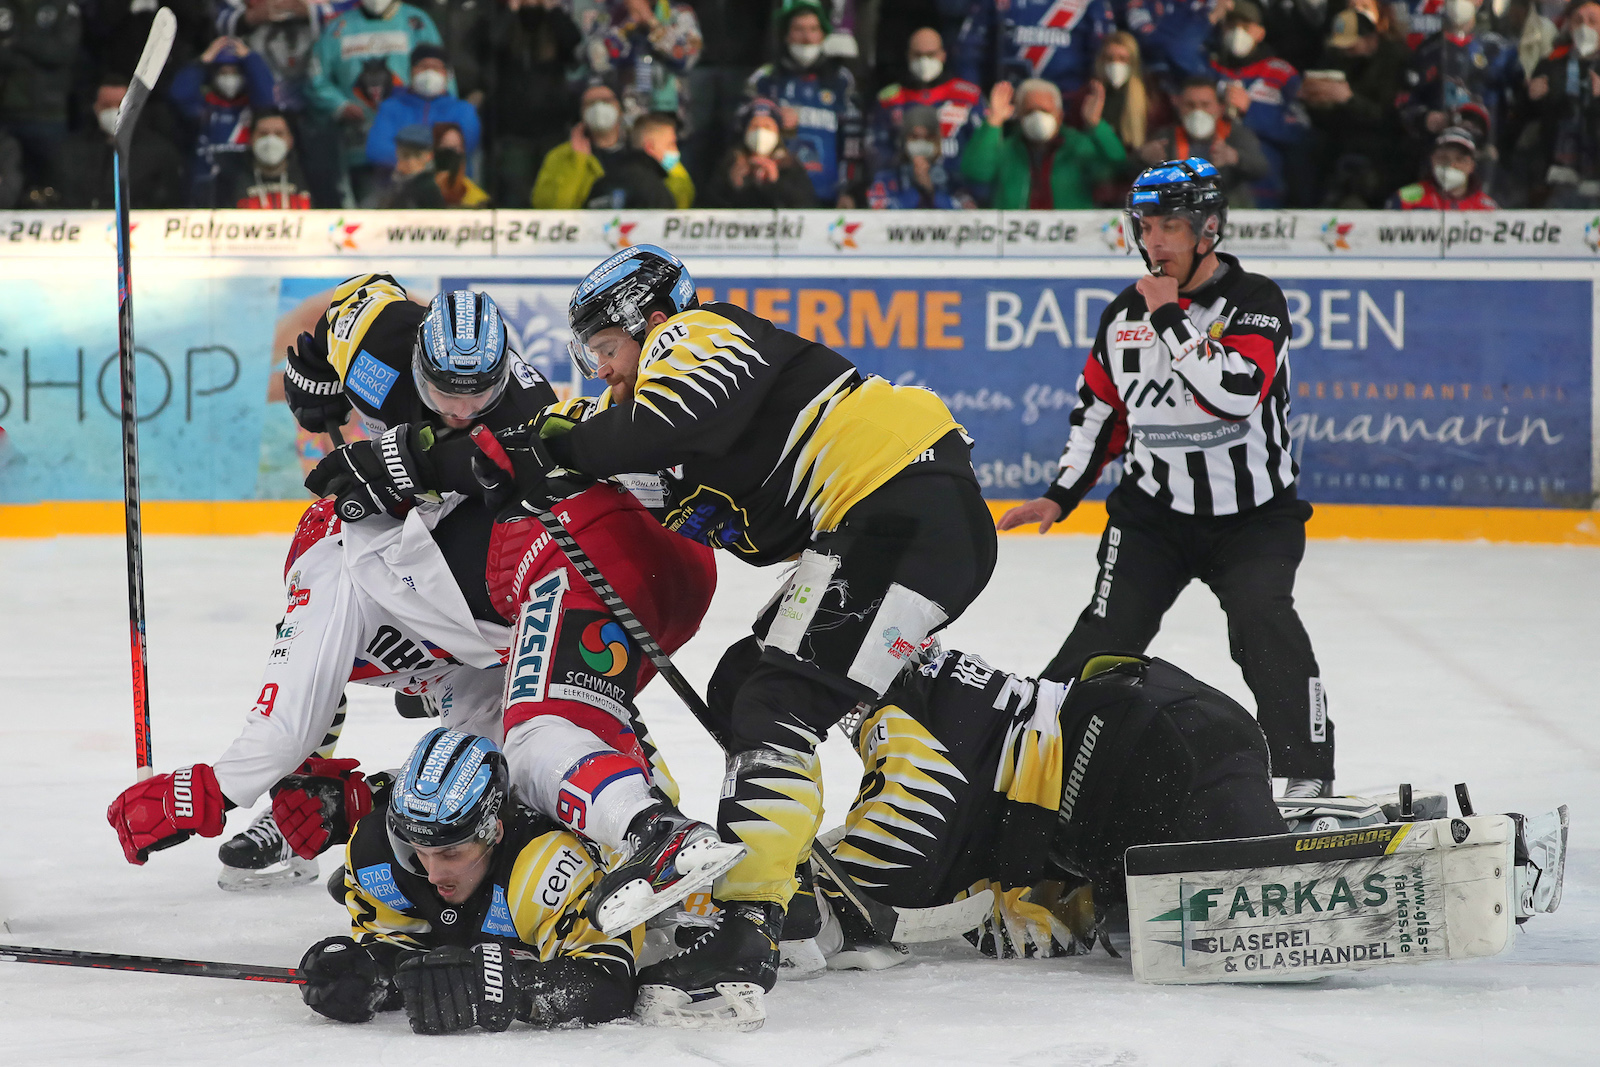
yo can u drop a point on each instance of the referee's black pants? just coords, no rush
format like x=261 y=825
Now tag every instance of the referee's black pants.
x=1149 y=553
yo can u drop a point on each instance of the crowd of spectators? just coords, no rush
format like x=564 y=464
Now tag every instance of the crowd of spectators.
x=888 y=104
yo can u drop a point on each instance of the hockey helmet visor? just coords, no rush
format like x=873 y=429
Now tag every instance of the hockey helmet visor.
x=462 y=360
x=451 y=790
x=623 y=291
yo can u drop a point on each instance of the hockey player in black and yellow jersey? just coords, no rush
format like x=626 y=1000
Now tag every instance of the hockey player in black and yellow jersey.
x=775 y=446
x=448 y=363
x=467 y=907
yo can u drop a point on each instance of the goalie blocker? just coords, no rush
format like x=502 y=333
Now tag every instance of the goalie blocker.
x=1301 y=906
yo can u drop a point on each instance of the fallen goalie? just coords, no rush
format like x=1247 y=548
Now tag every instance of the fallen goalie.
x=1133 y=806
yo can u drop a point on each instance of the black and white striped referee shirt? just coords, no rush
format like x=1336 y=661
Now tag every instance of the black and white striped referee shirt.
x=1196 y=395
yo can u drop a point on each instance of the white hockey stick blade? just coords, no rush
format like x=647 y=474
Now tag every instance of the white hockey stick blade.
x=940 y=923
x=738 y=1006
x=163 y=30
x=1302 y=906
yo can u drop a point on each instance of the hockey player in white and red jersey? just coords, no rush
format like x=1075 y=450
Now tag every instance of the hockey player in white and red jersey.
x=1188 y=381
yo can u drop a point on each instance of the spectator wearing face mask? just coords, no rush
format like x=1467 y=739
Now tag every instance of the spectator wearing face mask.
x=957 y=103
x=272 y=181
x=413 y=181
x=1203 y=130
x=816 y=96
x=759 y=172
x=645 y=49
x=598 y=149
x=1135 y=107
x=1040 y=165
x=1173 y=35
x=656 y=135
x=1261 y=91
x=155 y=179
x=361 y=57
x=916 y=178
x=1451 y=182
x=1049 y=39
x=1349 y=97
x=282 y=32
x=426 y=101
x=1456 y=69
x=1564 y=99
x=450 y=168
x=218 y=94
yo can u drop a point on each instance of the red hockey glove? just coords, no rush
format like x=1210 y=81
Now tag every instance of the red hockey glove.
x=167 y=810
x=319 y=804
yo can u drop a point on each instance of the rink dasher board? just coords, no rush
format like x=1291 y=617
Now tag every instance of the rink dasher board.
x=1398 y=893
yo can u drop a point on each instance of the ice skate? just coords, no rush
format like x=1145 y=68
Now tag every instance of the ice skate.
x=260 y=858
x=720 y=981
x=670 y=856
x=799 y=956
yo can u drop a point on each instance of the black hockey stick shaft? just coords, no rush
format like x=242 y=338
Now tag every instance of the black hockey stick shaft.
x=154 y=57
x=115 y=961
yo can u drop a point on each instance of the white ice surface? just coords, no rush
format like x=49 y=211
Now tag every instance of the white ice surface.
x=1444 y=663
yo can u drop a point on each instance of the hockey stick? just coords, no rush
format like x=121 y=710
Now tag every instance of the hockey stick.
x=115 y=961
x=162 y=30
x=910 y=925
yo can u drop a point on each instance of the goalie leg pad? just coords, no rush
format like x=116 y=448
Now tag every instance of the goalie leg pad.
x=1301 y=906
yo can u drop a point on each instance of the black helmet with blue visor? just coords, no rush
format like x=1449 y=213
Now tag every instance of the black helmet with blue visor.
x=1187 y=188
x=624 y=291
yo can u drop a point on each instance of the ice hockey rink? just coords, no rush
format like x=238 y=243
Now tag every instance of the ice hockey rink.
x=1444 y=662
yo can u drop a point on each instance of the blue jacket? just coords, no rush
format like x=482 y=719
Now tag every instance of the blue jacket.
x=1172 y=36
x=405 y=108
x=828 y=142
x=893 y=187
x=221 y=126
x=1051 y=39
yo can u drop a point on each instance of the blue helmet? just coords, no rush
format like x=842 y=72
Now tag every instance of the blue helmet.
x=462 y=359
x=450 y=790
x=1188 y=188
x=624 y=291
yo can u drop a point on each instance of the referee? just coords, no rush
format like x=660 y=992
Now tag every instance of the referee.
x=1189 y=377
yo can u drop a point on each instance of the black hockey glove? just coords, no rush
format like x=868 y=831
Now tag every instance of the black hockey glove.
x=343 y=981
x=313 y=389
x=515 y=464
x=453 y=988
x=382 y=475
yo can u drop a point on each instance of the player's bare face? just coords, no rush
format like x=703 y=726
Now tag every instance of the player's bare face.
x=456 y=871
x=1169 y=240
x=616 y=361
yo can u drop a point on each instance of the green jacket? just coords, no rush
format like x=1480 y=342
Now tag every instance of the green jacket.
x=1081 y=161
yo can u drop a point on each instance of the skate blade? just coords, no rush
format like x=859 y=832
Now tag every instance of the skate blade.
x=868 y=958
x=799 y=961
x=636 y=903
x=241 y=879
x=738 y=1006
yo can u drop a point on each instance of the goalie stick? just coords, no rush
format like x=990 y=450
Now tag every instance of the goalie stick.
x=116 y=961
x=907 y=925
x=162 y=30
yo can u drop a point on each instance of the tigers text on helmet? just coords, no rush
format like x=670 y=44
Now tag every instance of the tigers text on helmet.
x=451 y=789
x=624 y=291
x=1187 y=188
x=462 y=360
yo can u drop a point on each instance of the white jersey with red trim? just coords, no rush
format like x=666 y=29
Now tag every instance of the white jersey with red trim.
x=1195 y=394
x=372 y=602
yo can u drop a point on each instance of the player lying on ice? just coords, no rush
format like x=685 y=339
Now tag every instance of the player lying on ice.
x=467 y=908
x=974 y=778
x=374 y=592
